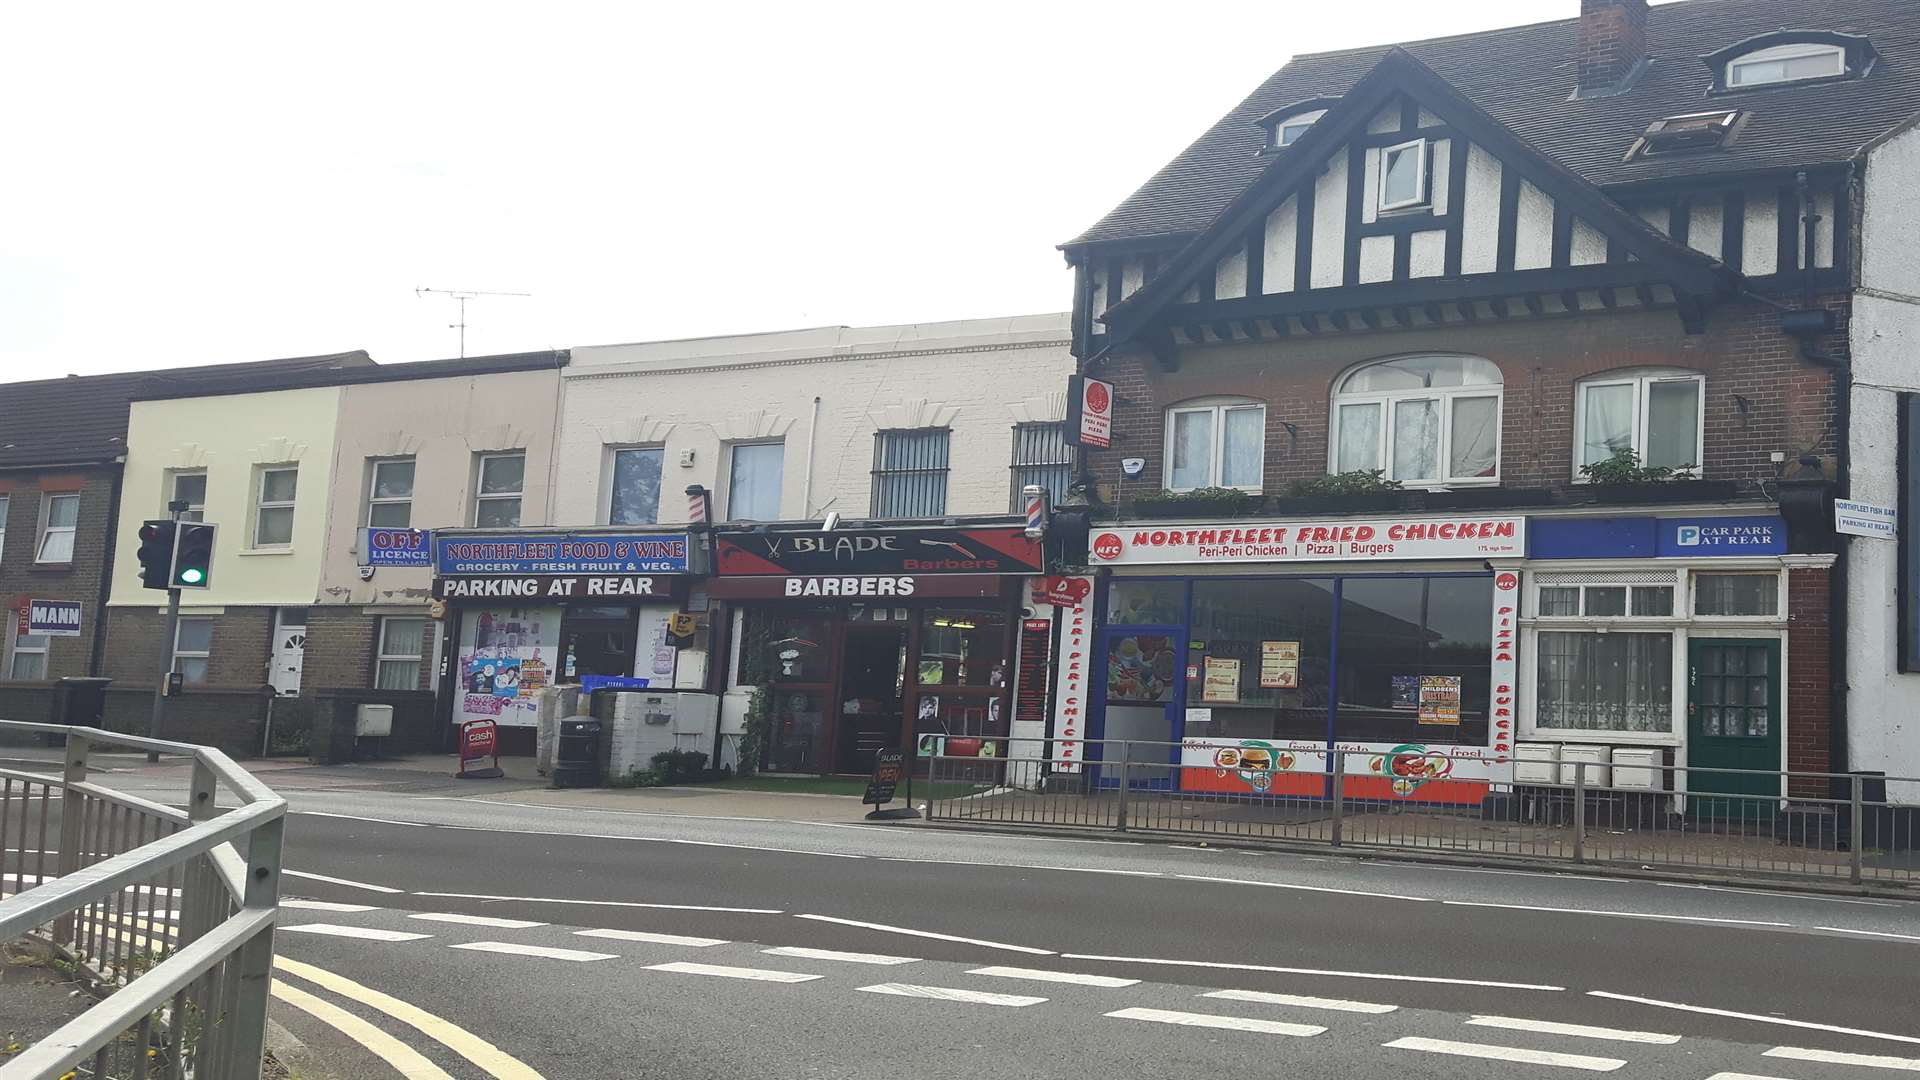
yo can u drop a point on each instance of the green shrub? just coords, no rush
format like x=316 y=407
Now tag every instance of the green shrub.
x=679 y=766
x=1207 y=499
x=1624 y=468
x=1356 y=482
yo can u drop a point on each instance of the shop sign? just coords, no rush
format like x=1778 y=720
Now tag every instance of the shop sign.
x=1506 y=665
x=889 y=765
x=1061 y=591
x=479 y=740
x=1702 y=536
x=1865 y=519
x=1000 y=550
x=1089 y=412
x=862 y=587
x=1070 y=685
x=396 y=547
x=1465 y=537
x=52 y=618
x=561 y=553
x=544 y=587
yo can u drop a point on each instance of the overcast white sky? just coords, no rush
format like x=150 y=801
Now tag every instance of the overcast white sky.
x=202 y=183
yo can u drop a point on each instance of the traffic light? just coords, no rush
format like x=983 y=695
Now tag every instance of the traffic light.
x=193 y=556
x=156 y=553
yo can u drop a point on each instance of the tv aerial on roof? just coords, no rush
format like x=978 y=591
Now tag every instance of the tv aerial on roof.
x=463 y=295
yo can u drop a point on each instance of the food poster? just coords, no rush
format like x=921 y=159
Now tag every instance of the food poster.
x=1440 y=699
x=1140 y=669
x=653 y=657
x=1253 y=767
x=506 y=657
x=1279 y=665
x=1220 y=681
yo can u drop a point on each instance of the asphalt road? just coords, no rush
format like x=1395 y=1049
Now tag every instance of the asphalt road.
x=1126 y=959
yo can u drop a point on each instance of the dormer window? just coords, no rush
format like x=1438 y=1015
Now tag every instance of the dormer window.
x=1290 y=129
x=1787 y=63
x=1285 y=125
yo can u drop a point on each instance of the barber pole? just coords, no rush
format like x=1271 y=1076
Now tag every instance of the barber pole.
x=697 y=505
x=1036 y=510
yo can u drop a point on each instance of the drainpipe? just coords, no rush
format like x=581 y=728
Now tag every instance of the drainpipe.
x=96 y=652
x=806 y=481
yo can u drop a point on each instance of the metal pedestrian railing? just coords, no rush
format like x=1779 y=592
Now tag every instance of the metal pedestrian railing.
x=1836 y=828
x=169 y=912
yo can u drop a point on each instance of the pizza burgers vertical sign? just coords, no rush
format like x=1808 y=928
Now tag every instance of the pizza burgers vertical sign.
x=1089 y=412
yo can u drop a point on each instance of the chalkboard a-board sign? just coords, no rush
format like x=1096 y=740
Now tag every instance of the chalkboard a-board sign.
x=889 y=768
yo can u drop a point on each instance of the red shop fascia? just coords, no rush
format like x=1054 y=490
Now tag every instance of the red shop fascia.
x=870 y=637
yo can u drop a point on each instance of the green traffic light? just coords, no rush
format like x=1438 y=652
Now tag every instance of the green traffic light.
x=191 y=576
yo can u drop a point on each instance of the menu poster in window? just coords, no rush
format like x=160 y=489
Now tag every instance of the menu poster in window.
x=1406 y=692
x=1279 y=665
x=1440 y=699
x=505 y=658
x=1221 y=682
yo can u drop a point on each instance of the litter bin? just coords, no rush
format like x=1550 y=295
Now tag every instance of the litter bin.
x=576 y=760
x=81 y=702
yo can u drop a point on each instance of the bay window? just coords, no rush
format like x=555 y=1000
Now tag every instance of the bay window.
x=1216 y=443
x=1653 y=412
x=1421 y=419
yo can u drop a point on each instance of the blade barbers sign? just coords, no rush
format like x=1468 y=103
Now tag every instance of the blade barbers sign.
x=996 y=550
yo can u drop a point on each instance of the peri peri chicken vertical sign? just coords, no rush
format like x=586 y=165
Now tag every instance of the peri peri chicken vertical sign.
x=1089 y=412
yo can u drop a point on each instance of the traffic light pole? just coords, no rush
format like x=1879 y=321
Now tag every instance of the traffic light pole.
x=175 y=509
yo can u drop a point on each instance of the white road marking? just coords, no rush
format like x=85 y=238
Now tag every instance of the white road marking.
x=601 y=903
x=365 y=933
x=1384 y=976
x=1303 y=1002
x=374 y=820
x=1742 y=1076
x=1782 y=1021
x=1768 y=892
x=651 y=938
x=326 y=905
x=1077 y=869
x=1229 y=1023
x=1305 y=888
x=1834 y=1057
x=341 y=881
x=404 y=1059
x=1868 y=933
x=513 y=949
x=475 y=920
x=928 y=934
x=944 y=993
x=1039 y=975
x=1507 y=873
x=1615 y=914
x=1506 y=1053
x=1578 y=1031
x=724 y=972
x=490 y=1058
x=843 y=957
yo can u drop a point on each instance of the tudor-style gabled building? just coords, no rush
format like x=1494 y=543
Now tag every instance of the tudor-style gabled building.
x=1510 y=273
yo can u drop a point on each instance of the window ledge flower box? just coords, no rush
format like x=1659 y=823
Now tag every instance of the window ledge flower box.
x=1668 y=491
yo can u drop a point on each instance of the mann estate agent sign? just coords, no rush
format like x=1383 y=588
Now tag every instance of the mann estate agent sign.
x=1465 y=537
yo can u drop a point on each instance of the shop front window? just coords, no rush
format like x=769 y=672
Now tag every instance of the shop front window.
x=1415 y=655
x=790 y=652
x=1146 y=603
x=1605 y=682
x=1262 y=659
x=961 y=672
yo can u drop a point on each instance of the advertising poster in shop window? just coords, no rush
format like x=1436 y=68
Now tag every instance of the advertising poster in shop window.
x=1220 y=683
x=1279 y=665
x=1440 y=699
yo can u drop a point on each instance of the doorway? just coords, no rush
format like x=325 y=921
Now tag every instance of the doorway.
x=1733 y=722
x=1143 y=700
x=289 y=651
x=873 y=672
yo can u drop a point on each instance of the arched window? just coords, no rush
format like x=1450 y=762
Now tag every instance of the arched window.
x=1787 y=63
x=1424 y=419
x=1654 y=412
x=1216 y=442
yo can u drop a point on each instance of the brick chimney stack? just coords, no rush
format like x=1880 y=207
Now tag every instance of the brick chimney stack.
x=1613 y=42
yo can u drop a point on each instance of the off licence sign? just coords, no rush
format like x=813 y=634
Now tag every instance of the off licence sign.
x=1309 y=541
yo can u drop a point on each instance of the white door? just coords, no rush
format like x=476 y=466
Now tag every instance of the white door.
x=289 y=649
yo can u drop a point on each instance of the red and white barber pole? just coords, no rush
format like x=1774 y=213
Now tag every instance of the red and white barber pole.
x=697 y=503
x=1036 y=497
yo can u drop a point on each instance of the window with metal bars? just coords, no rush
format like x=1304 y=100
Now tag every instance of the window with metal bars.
x=1041 y=456
x=910 y=473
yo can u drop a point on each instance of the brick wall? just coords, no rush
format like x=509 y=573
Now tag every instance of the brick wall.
x=1613 y=38
x=340 y=648
x=1760 y=395
x=136 y=646
x=23 y=578
x=1809 y=712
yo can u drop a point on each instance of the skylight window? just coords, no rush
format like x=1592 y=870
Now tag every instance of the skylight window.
x=1693 y=131
x=1791 y=62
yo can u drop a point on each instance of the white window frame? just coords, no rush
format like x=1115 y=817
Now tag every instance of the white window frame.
x=6 y=502
x=612 y=472
x=1421 y=196
x=1219 y=409
x=261 y=503
x=194 y=511
x=1793 y=50
x=374 y=498
x=179 y=654
x=382 y=657
x=1444 y=397
x=481 y=498
x=1641 y=379
x=47 y=529
x=779 y=496
x=44 y=650
x=1692 y=596
x=1299 y=124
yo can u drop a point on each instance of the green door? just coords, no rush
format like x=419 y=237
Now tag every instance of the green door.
x=1733 y=722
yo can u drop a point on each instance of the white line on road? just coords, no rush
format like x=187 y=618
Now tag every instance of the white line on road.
x=928 y=934
x=1742 y=1076
x=364 y=933
x=404 y=1059
x=1783 y=1021
x=490 y=1058
x=1075 y=869
x=1578 y=1031
x=475 y=920
x=651 y=938
x=1302 y=1002
x=799 y=953
x=1769 y=892
x=1616 y=914
x=512 y=949
x=724 y=972
x=1868 y=933
x=1305 y=888
x=341 y=881
x=1039 y=975
x=601 y=903
x=326 y=905
x=374 y=820
x=1229 y=1023
x=1507 y=873
x=1385 y=976
x=1506 y=1053
x=945 y=993
x=1834 y=1057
